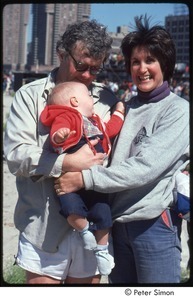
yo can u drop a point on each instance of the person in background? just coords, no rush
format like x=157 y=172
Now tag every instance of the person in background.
x=145 y=160
x=70 y=116
x=49 y=249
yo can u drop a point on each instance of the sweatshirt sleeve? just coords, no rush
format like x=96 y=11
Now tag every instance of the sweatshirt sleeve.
x=157 y=156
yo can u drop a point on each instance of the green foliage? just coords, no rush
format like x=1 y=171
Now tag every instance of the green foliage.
x=185 y=275
x=13 y=274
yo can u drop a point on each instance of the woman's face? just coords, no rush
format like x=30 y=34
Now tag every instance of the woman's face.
x=145 y=70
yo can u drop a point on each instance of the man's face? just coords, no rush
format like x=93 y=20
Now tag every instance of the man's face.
x=78 y=66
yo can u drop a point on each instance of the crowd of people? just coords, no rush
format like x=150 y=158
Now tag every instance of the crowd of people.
x=125 y=90
x=144 y=241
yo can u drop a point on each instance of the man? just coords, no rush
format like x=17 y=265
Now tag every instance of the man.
x=49 y=249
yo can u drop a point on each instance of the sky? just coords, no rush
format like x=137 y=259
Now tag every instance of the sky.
x=120 y=14
x=115 y=14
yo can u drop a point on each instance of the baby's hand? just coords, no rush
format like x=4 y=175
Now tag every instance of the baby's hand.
x=120 y=106
x=62 y=134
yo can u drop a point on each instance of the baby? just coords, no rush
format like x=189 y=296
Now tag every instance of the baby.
x=70 y=115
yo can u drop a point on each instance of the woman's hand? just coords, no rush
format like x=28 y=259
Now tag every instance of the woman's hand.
x=82 y=159
x=68 y=183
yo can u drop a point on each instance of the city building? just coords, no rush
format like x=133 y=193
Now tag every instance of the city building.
x=117 y=38
x=178 y=26
x=115 y=65
x=49 y=22
x=15 y=21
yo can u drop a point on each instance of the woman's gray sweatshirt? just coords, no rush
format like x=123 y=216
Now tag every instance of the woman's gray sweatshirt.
x=146 y=156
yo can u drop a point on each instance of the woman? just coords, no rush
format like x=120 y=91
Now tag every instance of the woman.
x=148 y=154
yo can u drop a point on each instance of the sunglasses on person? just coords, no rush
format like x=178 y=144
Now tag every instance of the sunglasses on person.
x=83 y=67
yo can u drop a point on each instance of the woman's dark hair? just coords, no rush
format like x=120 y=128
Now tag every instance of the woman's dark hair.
x=155 y=39
x=91 y=33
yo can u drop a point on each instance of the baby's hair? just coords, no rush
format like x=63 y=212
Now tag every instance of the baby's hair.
x=61 y=93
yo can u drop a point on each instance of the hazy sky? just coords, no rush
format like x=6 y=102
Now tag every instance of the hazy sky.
x=118 y=14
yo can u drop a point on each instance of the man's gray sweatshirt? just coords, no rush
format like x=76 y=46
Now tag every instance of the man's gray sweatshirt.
x=147 y=155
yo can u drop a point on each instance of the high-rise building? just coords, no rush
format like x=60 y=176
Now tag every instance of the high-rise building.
x=49 y=22
x=83 y=12
x=117 y=38
x=178 y=26
x=15 y=21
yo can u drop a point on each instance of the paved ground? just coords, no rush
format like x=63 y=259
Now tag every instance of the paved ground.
x=10 y=234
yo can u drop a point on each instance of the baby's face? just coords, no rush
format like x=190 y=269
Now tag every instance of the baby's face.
x=86 y=104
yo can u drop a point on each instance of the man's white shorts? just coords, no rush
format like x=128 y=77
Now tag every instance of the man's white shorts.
x=71 y=259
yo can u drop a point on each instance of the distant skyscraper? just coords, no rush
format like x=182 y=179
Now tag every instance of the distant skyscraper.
x=49 y=22
x=15 y=21
x=83 y=11
x=178 y=26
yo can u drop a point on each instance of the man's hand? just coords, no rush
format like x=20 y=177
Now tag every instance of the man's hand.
x=82 y=159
